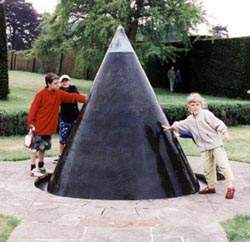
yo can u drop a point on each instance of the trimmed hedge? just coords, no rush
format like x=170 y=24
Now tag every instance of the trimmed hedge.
x=220 y=67
x=231 y=114
x=13 y=123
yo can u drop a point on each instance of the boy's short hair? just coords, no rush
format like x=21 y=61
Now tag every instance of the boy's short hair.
x=50 y=77
x=196 y=97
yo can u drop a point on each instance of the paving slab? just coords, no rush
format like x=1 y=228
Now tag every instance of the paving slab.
x=49 y=218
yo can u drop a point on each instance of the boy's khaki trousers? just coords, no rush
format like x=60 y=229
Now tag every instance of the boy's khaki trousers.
x=211 y=158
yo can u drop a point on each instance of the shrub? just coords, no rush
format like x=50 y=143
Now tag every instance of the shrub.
x=231 y=114
x=220 y=67
x=13 y=123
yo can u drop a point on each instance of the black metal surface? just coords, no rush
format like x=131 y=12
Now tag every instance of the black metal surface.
x=42 y=182
x=118 y=149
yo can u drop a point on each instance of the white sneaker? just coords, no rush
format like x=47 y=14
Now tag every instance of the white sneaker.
x=36 y=172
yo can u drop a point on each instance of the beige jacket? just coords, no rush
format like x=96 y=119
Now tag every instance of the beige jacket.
x=205 y=128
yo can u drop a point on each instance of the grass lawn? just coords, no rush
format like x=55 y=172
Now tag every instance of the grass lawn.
x=12 y=148
x=7 y=224
x=238 y=229
x=166 y=98
x=237 y=149
x=24 y=85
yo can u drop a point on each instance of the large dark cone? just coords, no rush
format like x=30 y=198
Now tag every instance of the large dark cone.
x=118 y=149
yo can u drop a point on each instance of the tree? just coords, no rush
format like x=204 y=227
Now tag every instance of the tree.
x=88 y=26
x=4 y=83
x=22 y=24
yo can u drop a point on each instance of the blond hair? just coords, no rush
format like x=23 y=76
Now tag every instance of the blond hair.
x=196 y=97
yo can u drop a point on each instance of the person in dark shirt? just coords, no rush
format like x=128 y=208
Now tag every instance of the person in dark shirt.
x=68 y=114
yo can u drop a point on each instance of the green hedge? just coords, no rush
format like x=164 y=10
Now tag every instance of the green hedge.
x=13 y=124
x=231 y=114
x=220 y=67
x=217 y=67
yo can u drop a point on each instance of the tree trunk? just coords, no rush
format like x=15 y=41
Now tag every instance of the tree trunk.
x=4 y=82
x=135 y=22
x=60 y=64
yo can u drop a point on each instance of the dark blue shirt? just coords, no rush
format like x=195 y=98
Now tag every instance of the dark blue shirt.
x=69 y=111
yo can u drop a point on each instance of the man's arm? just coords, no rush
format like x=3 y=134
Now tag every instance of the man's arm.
x=72 y=97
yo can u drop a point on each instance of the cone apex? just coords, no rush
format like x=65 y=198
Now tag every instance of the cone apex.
x=120 y=42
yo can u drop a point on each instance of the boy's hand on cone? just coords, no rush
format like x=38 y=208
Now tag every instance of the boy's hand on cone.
x=166 y=128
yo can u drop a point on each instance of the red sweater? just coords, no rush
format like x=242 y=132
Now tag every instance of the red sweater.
x=44 y=110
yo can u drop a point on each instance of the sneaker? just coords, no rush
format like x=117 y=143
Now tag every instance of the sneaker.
x=230 y=193
x=36 y=172
x=207 y=190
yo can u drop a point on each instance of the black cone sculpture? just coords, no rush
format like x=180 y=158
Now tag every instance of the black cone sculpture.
x=118 y=149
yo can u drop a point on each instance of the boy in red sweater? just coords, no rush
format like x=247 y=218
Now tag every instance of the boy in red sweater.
x=43 y=118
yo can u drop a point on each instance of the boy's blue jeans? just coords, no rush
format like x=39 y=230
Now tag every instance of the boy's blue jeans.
x=186 y=134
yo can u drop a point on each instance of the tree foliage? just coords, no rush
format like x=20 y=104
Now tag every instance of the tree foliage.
x=4 y=84
x=22 y=24
x=89 y=25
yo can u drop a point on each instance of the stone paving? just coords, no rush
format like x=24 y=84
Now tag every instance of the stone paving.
x=49 y=218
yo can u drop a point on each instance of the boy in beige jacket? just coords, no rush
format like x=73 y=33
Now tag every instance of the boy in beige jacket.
x=207 y=130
